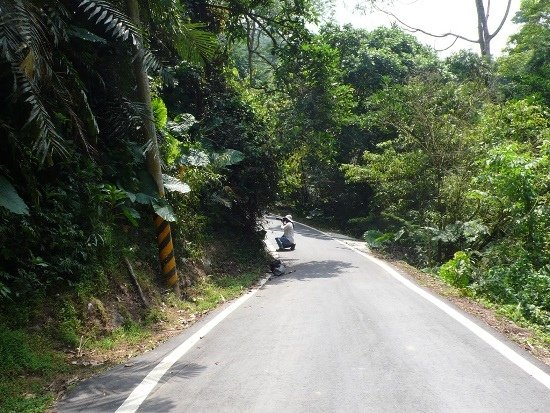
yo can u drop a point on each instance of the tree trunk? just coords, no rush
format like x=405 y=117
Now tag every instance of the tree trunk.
x=144 y=95
x=164 y=235
x=483 y=30
x=250 y=34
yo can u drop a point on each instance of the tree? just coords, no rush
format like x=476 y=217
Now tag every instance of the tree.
x=69 y=103
x=512 y=179
x=317 y=108
x=526 y=67
x=484 y=34
x=371 y=60
x=420 y=172
x=166 y=248
x=466 y=66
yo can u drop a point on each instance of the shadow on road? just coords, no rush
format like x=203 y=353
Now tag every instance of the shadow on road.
x=313 y=270
x=185 y=371
x=106 y=395
x=162 y=404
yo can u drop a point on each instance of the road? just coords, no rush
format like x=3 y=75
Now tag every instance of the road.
x=341 y=333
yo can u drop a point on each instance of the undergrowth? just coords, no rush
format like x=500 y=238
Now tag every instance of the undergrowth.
x=38 y=358
x=28 y=363
x=212 y=291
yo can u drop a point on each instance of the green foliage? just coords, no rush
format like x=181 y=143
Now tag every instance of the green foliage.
x=359 y=225
x=130 y=333
x=466 y=65
x=318 y=108
x=112 y=21
x=69 y=325
x=377 y=239
x=190 y=41
x=511 y=186
x=420 y=173
x=19 y=354
x=375 y=59
x=29 y=356
x=458 y=271
x=153 y=316
x=520 y=285
x=160 y=113
x=526 y=68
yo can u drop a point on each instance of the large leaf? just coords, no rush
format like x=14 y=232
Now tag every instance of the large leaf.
x=228 y=157
x=131 y=214
x=10 y=199
x=195 y=158
x=147 y=184
x=377 y=239
x=173 y=184
x=164 y=210
x=143 y=199
x=180 y=126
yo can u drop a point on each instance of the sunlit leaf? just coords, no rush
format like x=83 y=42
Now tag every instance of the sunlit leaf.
x=180 y=126
x=173 y=184
x=195 y=158
x=164 y=210
x=228 y=157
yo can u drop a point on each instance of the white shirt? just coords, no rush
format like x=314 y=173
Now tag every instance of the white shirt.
x=288 y=230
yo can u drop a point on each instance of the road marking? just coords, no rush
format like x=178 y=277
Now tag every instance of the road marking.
x=140 y=393
x=488 y=338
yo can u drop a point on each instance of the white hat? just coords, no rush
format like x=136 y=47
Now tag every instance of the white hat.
x=289 y=217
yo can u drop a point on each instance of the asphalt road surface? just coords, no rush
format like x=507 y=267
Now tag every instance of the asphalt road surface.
x=340 y=333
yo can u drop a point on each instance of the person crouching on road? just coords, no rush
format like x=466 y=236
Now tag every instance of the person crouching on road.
x=287 y=240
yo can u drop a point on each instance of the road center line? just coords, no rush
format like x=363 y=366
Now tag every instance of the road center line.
x=488 y=338
x=140 y=393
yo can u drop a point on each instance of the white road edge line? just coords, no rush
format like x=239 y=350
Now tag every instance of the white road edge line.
x=488 y=338
x=140 y=393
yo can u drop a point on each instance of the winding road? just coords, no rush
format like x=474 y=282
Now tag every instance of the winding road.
x=343 y=332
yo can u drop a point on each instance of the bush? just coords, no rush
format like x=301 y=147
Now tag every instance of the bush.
x=376 y=239
x=359 y=225
x=458 y=271
x=522 y=286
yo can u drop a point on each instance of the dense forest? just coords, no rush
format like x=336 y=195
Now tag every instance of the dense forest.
x=128 y=126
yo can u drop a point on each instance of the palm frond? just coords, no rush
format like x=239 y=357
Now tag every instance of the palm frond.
x=150 y=62
x=48 y=139
x=113 y=21
x=192 y=41
x=195 y=44
x=125 y=118
x=28 y=39
x=25 y=44
x=56 y=18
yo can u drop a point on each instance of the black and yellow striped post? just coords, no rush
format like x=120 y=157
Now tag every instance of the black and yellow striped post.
x=166 y=252
x=143 y=90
